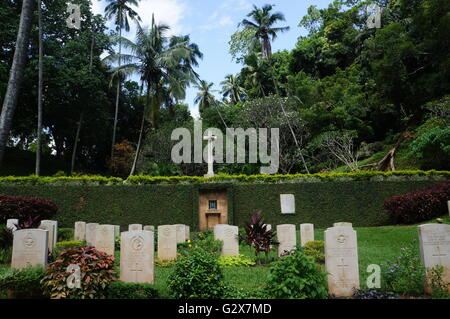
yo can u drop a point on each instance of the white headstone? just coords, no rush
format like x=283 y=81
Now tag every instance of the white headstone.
x=287 y=203
x=55 y=236
x=91 y=233
x=104 y=239
x=149 y=228
x=229 y=235
x=306 y=233
x=287 y=238
x=137 y=257
x=29 y=248
x=181 y=233
x=11 y=224
x=134 y=227
x=50 y=226
x=341 y=261
x=188 y=233
x=80 y=231
x=167 y=242
x=435 y=248
x=116 y=230
x=342 y=224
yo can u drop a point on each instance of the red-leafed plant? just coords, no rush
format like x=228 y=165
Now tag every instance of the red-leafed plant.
x=258 y=236
x=96 y=273
x=420 y=205
x=16 y=207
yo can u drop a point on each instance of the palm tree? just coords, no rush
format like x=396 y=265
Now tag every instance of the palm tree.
x=165 y=66
x=262 y=25
x=121 y=12
x=16 y=73
x=255 y=69
x=204 y=98
x=232 y=88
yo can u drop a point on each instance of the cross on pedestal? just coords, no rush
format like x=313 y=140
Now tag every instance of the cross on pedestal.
x=210 y=138
x=342 y=265
x=136 y=271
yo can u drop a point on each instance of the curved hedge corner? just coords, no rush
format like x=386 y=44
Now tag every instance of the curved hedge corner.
x=419 y=206
x=321 y=199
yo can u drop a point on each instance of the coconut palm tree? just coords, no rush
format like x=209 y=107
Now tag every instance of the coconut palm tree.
x=16 y=73
x=255 y=69
x=122 y=13
x=205 y=98
x=165 y=66
x=231 y=88
x=262 y=22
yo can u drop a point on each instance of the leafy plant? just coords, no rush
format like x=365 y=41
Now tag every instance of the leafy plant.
x=125 y=290
x=23 y=283
x=6 y=237
x=65 y=234
x=418 y=206
x=315 y=249
x=296 y=276
x=439 y=287
x=235 y=261
x=373 y=294
x=258 y=236
x=5 y=255
x=97 y=272
x=197 y=276
x=406 y=274
x=22 y=208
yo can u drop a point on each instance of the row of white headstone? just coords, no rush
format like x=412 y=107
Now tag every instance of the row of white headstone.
x=30 y=247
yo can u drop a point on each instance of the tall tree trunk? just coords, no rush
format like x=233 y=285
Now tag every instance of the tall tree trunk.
x=16 y=74
x=117 y=96
x=77 y=135
x=138 y=148
x=41 y=66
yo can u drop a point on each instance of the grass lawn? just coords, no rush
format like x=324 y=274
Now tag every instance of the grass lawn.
x=375 y=246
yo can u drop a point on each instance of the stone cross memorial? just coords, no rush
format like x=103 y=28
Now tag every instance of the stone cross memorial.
x=30 y=248
x=91 y=232
x=210 y=159
x=341 y=260
x=434 y=242
x=51 y=227
x=167 y=242
x=229 y=235
x=286 y=237
x=306 y=233
x=137 y=256
x=134 y=227
x=104 y=239
x=80 y=231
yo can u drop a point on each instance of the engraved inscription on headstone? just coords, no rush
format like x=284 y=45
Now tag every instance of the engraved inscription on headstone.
x=137 y=257
x=306 y=233
x=341 y=261
x=167 y=242
x=229 y=235
x=30 y=248
x=80 y=231
x=287 y=238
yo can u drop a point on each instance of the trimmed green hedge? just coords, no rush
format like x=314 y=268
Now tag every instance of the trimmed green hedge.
x=321 y=199
x=143 y=180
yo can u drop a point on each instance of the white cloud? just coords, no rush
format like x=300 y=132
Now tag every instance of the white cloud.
x=170 y=12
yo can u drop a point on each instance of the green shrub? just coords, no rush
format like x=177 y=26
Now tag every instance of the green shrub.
x=23 y=283
x=296 y=276
x=235 y=261
x=315 y=249
x=64 y=245
x=97 y=272
x=5 y=255
x=6 y=237
x=204 y=241
x=405 y=275
x=124 y=290
x=439 y=287
x=197 y=276
x=65 y=234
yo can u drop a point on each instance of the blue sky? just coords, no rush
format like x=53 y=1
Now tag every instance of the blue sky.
x=210 y=23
